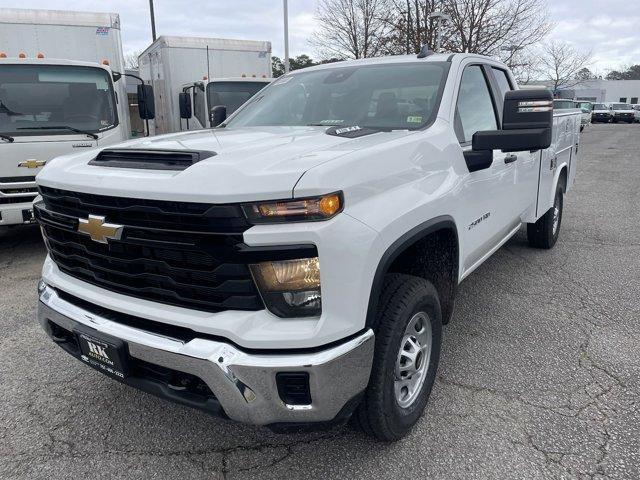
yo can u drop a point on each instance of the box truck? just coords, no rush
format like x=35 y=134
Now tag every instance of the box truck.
x=60 y=91
x=202 y=68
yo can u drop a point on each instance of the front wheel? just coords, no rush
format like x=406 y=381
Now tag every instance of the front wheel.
x=408 y=333
x=545 y=232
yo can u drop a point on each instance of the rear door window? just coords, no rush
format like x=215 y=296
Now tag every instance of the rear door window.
x=502 y=79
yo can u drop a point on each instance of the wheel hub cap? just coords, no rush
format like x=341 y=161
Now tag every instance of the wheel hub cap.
x=556 y=217
x=413 y=359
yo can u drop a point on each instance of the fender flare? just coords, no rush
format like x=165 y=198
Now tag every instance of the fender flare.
x=556 y=176
x=396 y=248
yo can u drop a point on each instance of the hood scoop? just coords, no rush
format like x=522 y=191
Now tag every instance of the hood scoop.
x=150 y=159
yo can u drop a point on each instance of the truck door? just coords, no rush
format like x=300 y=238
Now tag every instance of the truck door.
x=525 y=163
x=487 y=209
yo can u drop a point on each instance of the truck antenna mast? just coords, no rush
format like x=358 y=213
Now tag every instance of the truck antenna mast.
x=208 y=72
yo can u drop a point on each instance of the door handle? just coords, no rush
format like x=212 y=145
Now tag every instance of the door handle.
x=510 y=158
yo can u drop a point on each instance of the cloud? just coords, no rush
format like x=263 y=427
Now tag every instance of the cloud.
x=608 y=28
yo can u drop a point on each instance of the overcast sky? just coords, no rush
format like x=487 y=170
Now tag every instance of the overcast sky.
x=610 y=28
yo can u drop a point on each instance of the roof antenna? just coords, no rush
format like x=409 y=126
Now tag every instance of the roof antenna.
x=425 y=52
x=208 y=72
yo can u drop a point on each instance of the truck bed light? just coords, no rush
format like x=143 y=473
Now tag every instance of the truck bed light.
x=3 y=55
x=40 y=55
x=22 y=55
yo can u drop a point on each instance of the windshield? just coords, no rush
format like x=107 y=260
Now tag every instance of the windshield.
x=390 y=96
x=232 y=94
x=563 y=104
x=600 y=106
x=34 y=98
x=621 y=106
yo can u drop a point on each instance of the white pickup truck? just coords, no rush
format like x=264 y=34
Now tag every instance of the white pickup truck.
x=295 y=265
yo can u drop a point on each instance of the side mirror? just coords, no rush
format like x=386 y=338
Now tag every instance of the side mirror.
x=218 y=115
x=146 y=102
x=184 y=100
x=527 y=119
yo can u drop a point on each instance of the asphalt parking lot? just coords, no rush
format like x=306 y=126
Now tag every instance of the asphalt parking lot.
x=539 y=378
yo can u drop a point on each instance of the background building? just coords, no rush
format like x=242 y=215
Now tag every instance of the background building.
x=599 y=90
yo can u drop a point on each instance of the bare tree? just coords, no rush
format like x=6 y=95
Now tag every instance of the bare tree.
x=560 y=64
x=409 y=25
x=131 y=60
x=500 y=28
x=523 y=62
x=350 y=28
x=488 y=26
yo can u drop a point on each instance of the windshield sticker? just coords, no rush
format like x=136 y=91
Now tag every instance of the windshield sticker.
x=352 y=131
x=340 y=131
x=414 y=119
x=331 y=122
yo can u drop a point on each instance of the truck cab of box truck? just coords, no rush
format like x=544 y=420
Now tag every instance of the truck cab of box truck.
x=171 y=63
x=49 y=108
x=60 y=92
x=198 y=100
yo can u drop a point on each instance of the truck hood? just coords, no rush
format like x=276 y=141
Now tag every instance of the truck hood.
x=254 y=163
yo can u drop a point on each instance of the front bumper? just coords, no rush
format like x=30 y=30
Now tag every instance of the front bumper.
x=625 y=117
x=601 y=117
x=16 y=200
x=243 y=384
x=16 y=213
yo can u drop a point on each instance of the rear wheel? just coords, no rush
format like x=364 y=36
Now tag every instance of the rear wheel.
x=545 y=232
x=408 y=337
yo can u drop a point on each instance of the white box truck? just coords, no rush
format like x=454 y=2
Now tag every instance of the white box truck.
x=58 y=94
x=173 y=65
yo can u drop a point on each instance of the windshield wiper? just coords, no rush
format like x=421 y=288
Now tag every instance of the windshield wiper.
x=8 y=138
x=62 y=127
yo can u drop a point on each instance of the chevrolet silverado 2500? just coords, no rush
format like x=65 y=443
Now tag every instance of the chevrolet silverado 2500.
x=295 y=265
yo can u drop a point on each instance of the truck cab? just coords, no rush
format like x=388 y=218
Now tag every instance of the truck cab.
x=622 y=112
x=48 y=108
x=601 y=113
x=198 y=99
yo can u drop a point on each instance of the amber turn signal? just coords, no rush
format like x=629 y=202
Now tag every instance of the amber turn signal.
x=295 y=210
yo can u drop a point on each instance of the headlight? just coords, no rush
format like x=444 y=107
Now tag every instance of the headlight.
x=290 y=288
x=296 y=210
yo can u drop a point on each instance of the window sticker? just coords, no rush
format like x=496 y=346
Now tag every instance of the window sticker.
x=414 y=119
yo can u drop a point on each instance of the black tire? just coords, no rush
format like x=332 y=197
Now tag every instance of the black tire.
x=542 y=234
x=380 y=415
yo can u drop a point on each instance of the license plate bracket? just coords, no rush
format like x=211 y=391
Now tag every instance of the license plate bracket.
x=103 y=352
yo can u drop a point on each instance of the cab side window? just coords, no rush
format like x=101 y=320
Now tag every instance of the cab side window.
x=474 y=109
x=199 y=106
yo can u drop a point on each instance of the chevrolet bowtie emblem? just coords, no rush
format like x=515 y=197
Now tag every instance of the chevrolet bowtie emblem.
x=98 y=230
x=32 y=163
